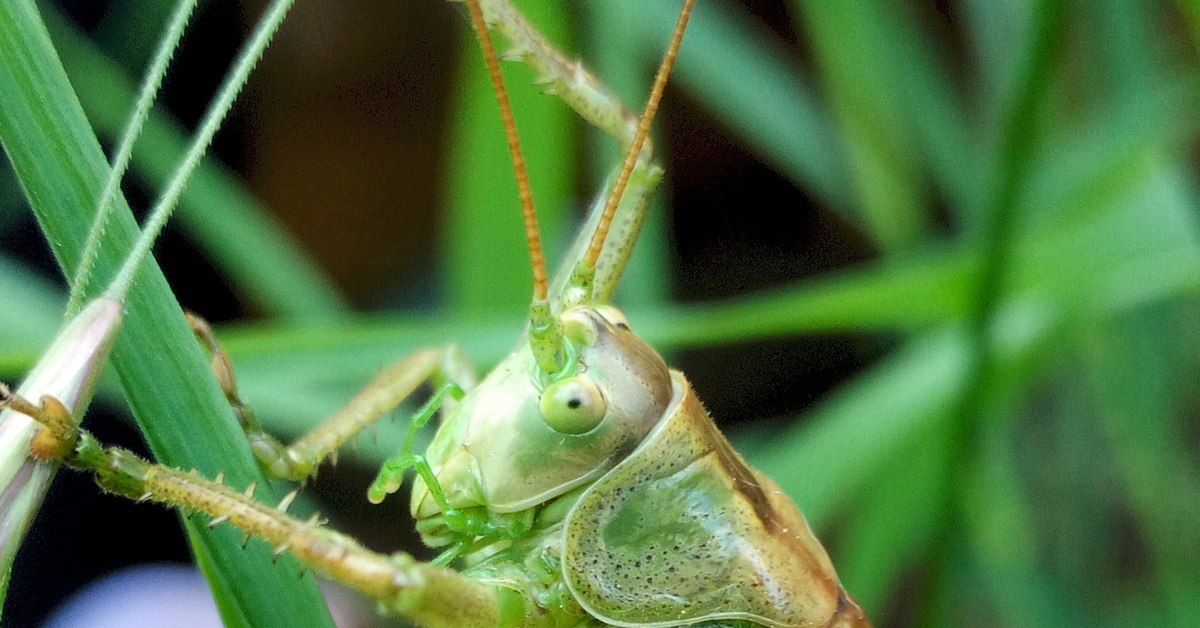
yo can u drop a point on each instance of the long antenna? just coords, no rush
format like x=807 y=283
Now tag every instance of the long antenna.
x=545 y=333
x=639 y=138
x=540 y=281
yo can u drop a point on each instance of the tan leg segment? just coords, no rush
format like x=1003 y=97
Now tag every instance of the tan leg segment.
x=563 y=77
x=435 y=597
x=383 y=394
x=379 y=397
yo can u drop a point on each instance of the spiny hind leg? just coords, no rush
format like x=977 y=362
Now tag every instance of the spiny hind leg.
x=441 y=366
x=428 y=595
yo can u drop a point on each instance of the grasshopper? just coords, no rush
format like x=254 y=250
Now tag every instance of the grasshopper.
x=581 y=483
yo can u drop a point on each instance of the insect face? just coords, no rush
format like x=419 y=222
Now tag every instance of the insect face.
x=516 y=442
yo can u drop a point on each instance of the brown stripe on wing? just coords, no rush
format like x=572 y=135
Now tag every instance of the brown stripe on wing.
x=743 y=477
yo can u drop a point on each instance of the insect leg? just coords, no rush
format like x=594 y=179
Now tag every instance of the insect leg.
x=584 y=93
x=428 y=595
x=466 y=525
x=58 y=432
x=563 y=77
x=391 y=475
x=440 y=365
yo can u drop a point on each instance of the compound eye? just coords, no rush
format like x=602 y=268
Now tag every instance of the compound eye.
x=614 y=316
x=573 y=405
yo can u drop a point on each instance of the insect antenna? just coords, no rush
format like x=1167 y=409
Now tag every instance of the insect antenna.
x=545 y=334
x=588 y=263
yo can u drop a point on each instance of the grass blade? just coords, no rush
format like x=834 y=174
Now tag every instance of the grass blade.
x=259 y=256
x=180 y=408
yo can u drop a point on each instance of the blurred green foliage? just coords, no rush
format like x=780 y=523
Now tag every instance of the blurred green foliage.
x=1024 y=176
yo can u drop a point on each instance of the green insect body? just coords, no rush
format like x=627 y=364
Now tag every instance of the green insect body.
x=653 y=517
x=580 y=484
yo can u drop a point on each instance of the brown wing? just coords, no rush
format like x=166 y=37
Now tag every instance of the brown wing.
x=683 y=531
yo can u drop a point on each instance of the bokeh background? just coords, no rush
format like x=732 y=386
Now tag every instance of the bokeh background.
x=932 y=265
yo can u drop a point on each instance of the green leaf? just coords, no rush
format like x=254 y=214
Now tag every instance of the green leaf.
x=864 y=76
x=182 y=412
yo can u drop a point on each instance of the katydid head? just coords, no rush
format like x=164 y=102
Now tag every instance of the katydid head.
x=514 y=443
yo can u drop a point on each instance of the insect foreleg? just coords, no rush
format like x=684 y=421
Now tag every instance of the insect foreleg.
x=441 y=365
x=391 y=475
x=465 y=527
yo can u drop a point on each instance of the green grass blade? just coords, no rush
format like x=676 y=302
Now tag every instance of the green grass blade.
x=32 y=310
x=905 y=396
x=1017 y=137
x=1191 y=14
x=258 y=255
x=998 y=521
x=183 y=414
x=129 y=29
x=147 y=93
x=995 y=33
x=894 y=520
x=861 y=76
x=1154 y=467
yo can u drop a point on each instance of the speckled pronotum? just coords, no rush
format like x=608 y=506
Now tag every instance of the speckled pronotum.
x=581 y=483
